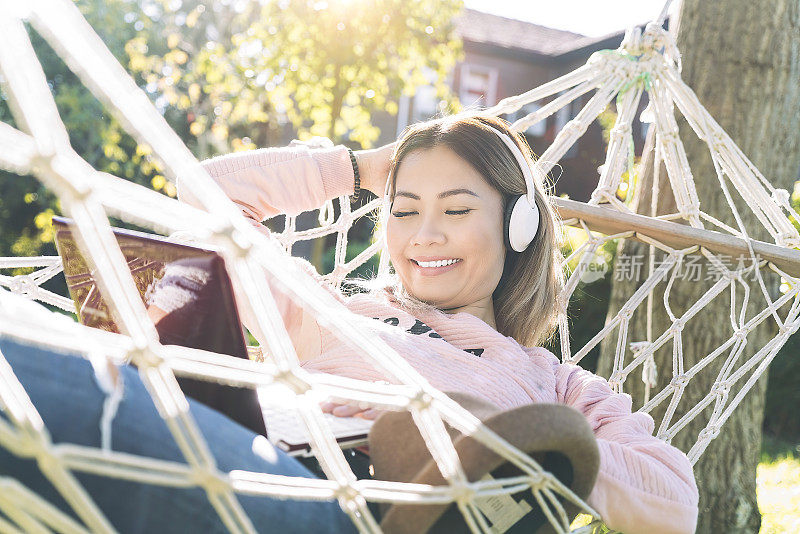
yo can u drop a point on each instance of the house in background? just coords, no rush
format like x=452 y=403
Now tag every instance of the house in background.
x=506 y=57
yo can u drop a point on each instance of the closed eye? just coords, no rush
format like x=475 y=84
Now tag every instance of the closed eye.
x=400 y=214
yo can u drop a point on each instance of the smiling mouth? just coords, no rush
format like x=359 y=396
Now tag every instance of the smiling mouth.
x=436 y=264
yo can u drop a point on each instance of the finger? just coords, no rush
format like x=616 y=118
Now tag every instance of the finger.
x=328 y=407
x=370 y=414
x=346 y=411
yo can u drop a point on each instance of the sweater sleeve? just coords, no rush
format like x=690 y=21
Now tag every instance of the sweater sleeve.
x=271 y=181
x=645 y=485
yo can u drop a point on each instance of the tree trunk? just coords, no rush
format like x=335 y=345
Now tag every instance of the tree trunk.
x=738 y=58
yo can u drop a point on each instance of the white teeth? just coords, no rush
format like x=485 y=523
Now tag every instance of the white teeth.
x=439 y=263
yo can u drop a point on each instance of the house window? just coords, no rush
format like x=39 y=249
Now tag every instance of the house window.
x=478 y=85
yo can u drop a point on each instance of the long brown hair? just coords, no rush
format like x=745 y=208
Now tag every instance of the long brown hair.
x=525 y=300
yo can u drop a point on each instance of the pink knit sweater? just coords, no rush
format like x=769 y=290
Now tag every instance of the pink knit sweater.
x=644 y=485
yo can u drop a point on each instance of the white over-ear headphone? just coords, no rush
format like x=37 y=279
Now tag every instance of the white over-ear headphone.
x=521 y=218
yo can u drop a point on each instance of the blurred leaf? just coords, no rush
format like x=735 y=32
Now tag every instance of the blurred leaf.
x=250 y=69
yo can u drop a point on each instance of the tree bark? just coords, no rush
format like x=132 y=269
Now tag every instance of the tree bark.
x=741 y=60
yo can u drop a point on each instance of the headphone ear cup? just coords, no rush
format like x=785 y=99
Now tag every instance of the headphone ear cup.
x=522 y=223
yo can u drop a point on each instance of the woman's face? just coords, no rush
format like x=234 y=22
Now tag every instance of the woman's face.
x=445 y=210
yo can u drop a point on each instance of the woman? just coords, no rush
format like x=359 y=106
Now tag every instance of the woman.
x=464 y=309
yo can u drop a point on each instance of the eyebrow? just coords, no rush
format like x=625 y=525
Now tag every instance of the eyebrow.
x=443 y=194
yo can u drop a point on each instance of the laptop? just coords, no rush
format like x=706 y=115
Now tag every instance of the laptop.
x=205 y=317
x=288 y=432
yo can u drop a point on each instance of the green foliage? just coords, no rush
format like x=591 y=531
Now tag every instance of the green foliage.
x=25 y=205
x=775 y=449
x=188 y=63
x=241 y=73
x=606 y=119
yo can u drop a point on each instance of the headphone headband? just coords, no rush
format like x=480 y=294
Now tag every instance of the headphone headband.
x=521 y=220
x=522 y=163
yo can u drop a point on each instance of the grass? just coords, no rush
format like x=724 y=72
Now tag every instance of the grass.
x=778 y=487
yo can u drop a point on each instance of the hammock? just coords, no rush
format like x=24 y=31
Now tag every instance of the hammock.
x=646 y=62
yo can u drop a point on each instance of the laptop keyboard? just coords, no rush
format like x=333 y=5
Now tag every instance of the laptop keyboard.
x=286 y=429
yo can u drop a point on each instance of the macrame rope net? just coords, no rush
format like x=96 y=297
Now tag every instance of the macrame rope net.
x=259 y=265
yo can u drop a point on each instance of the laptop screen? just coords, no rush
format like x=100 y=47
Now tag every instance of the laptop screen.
x=189 y=296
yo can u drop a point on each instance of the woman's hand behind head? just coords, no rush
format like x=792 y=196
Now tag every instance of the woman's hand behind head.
x=373 y=166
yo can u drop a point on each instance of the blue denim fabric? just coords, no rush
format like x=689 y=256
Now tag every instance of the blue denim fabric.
x=64 y=391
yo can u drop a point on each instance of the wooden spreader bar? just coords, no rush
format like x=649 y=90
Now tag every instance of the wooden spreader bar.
x=675 y=235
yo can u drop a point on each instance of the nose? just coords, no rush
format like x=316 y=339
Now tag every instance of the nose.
x=428 y=232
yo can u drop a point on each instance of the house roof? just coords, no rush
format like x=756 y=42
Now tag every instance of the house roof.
x=486 y=28
x=603 y=41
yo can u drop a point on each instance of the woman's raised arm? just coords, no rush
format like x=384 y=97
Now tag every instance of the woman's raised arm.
x=290 y=180
x=270 y=181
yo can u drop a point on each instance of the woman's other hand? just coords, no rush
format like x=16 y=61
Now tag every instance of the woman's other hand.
x=349 y=410
x=373 y=166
